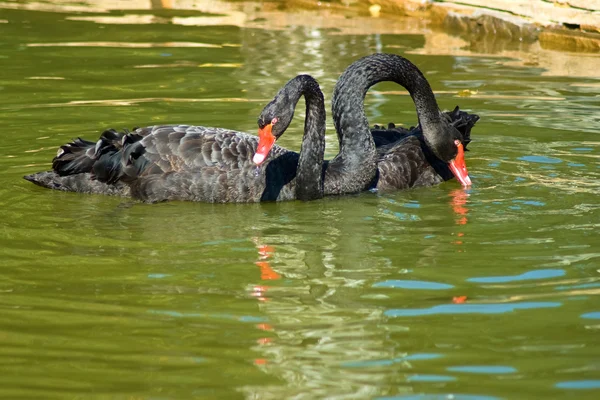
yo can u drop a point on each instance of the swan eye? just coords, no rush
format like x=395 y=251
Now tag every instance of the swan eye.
x=457 y=143
x=274 y=121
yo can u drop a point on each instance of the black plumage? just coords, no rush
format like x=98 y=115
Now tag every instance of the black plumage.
x=183 y=162
x=195 y=163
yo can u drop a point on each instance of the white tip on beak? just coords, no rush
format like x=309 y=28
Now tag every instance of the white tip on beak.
x=258 y=158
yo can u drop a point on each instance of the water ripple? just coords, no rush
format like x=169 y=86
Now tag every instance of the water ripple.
x=379 y=363
x=430 y=378
x=400 y=284
x=592 y=315
x=530 y=275
x=540 y=159
x=483 y=369
x=584 y=384
x=471 y=309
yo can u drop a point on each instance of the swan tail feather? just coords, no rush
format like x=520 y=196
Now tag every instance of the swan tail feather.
x=132 y=161
x=47 y=179
x=81 y=183
x=80 y=155
x=385 y=135
x=74 y=158
x=101 y=159
x=463 y=122
x=91 y=167
x=110 y=154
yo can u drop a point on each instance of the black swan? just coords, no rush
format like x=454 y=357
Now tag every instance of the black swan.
x=182 y=162
x=397 y=158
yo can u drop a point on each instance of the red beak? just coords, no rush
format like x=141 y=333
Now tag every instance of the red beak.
x=458 y=166
x=266 y=140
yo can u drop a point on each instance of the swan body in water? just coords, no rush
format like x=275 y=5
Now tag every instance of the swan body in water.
x=395 y=158
x=195 y=163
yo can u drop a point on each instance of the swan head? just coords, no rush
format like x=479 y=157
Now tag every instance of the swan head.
x=446 y=142
x=272 y=123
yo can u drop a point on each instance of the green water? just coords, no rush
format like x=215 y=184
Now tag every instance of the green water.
x=341 y=298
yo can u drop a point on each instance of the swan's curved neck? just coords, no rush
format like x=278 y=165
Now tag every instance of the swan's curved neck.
x=309 y=176
x=348 y=102
x=368 y=71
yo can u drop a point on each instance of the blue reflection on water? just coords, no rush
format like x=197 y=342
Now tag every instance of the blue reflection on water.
x=541 y=159
x=587 y=384
x=430 y=378
x=400 y=284
x=402 y=216
x=178 y=314
x=158 y=276
x=421 y=356
x=470 y=309
x=530 y=202
x=591 y=315
x=483 y=369
x=407 y=217
x=582 y=286
x=529 y=275
x=250 y=318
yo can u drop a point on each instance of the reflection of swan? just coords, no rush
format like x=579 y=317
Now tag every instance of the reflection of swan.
x=458 y=201
x=423 y=156
x=181 y=162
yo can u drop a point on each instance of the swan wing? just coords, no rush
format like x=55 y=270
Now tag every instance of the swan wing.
x=173 y=148
x=404 y=165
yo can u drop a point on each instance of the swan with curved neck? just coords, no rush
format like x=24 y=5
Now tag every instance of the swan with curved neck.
x=183 y=162
x=309 y=177
x=402 y=164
